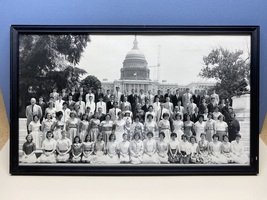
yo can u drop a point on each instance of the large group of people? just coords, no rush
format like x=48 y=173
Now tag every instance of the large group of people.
x=115 y=127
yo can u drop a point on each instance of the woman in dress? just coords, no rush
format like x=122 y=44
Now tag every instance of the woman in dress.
x=193 y=150
x=136 y=149
x=203 y=149
x=178 y=126
x=140 y=113
x=124 y=148
x=150 y=148
x=119 y=127
x=216 y=113
x=72 y=126
x=174 y=149
x=151 y=126
x=34 y=129
x=49 y=148
x=138 y=127
x=221 y=127
x=106 y=128
x=88 y=149
x=28 y=149
x=50 y=109
x=226 y=149
x=215 y=151
x=63 y=148
x=58 y=125
x=188 y=126
x=46 y=125
x=94 y=126
x=83 y=127
x=99 y=150
x=210 y=127
x=76 y=150
x=165 y=126
x=112 y=150
x=237 y=149
x=199 y=127
x=185 y=150
x=162 y=149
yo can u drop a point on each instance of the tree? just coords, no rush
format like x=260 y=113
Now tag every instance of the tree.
x=230 y=69
x=48 y=61
x=90 y=82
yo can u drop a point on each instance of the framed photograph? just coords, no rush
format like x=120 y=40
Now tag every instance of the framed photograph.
x=134 y=100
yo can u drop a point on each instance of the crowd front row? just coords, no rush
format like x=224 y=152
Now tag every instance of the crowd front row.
x=136 y=150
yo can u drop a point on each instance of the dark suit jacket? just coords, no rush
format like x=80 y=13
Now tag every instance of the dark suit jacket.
x=77 y=95
x=161 y=98
x=145 y=108
x=132 y=99
x=210 y=107
x=168 y=95
x=110 y=105
x=175 y=100
x=97 y=96
x=196 y=100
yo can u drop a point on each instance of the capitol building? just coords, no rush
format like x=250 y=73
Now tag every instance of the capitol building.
x=135 y=74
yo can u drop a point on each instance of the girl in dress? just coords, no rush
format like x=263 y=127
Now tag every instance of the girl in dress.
x=46 y=125
x=76 y=149
x=165 y=126
x=119 y=127
x=150 y=111
x=58 y=125
x=162 y=149
x=178 y=126
x=188 y=126
x=226 y=149
x=124 y=148
x=215 y=151
x=185 y=150
x=150 y=149
x=94 y=127
x=63 y=148
x=199 y=127
x=83 y=127
x=99 y=150
x=151 y=126
x=174 y=149
x=72 y=126
x=136 y=149
x=221 y=127
x=49 y=148
x=210 y=127
x=51 y=110
x=193 y=150
x=138 y=127
x=128 y=130
x=112 y=150
x=29 y=150
x=106 y=128
x=88 y=149
x=203 y=149
x=34 y=129
x=237 y=148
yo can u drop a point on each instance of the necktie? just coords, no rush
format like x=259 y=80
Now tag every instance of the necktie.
x=160 y=113
x=32 y=108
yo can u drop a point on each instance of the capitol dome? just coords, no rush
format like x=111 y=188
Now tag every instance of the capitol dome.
x=135 y=65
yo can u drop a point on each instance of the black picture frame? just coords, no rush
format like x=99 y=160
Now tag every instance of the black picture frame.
x=138 y=170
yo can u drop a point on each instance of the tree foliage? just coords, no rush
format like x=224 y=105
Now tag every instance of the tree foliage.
x=230 y=69
x=47 y=61
x=90 y=82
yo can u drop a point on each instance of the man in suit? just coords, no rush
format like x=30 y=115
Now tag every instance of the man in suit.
x=32 y=110
x=118 y=95
x=161 y=111
x=73 y=94
x=91 y=104
x=81 y=104
x=114 y=111
x=196 y=98
x=70 y=102
x=110 y=104
x=107 y=97
x=43 y=106
x=98 y=95
x=101 y=115
x=146 y=106
x=90 y=93
x=186 y=98
x=176 y=98
x=168 y=94
x=101 y=104
x=132 y=99
x=211 y=105
x=80 y=93
x=160 y=96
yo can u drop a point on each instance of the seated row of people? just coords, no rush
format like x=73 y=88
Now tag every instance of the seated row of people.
x=136 y=151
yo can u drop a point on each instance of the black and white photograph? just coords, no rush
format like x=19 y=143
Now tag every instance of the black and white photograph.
x=134 y=100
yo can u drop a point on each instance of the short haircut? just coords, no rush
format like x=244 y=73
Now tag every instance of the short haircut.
x=110 y=136
x=135 y=134
x=149 y=115
x=173 y=134
x=150 y=133
x=165 y=114
x=28 y=136
x=59 y=113
x=184 y=136
x=192 y=137
x=46 y=135
x=76 y=138
x=162 y=133
x=215 y=135
x=86 y=138
x=225 y=136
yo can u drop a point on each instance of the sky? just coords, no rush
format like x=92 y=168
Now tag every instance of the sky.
x=180 y=56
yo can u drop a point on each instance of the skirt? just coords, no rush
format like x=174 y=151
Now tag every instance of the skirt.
x=36 y=136
x=163 y=159
x=87 y=158
x=136 y=160
x=63 y=158
x=94 y=132
x=173 y=159
x=29 y=158
x=150 y=159
x=83 y=134
x=47 y=158
x=111 y=159
x=218 y=159
x=72 y=133
x=209 y=134
x=124 y=158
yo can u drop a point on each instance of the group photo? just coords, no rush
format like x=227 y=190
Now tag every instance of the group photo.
x=134 y=99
